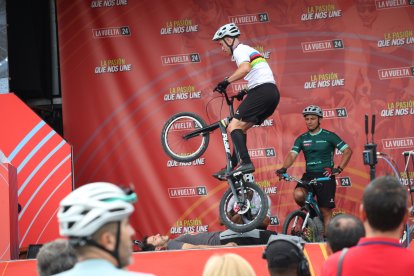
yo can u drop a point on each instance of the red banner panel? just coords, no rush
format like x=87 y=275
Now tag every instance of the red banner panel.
x=128 y=66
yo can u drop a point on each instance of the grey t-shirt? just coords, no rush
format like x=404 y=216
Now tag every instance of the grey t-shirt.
x=207 y=238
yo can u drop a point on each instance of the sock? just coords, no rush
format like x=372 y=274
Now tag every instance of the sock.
x=239 y=143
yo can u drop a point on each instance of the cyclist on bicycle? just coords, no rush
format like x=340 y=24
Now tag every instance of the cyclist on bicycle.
x=318 y=146
x=262 y=96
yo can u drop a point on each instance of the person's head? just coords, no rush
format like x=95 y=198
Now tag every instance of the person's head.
x=227 y=35
x=344 y=230
x=95 y=218
x=384 y=205
x=228 y=264
x=286 y=257
x=155 y=242
x=313 y=116
x=55 y=257
x=367 y=11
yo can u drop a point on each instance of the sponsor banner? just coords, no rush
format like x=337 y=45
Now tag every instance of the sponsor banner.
x=245 y=19
x=198 y=162
x=266 y=123
x=324 y=81
x=398 y=108
x=267 y=187
x=179 y=93
x=333 y=113
x=404 y=179
x=108 y=3
x=179 y=27
x=187 y=192
x=274 y=220
x=321 y=12
x=387 y=4
x=398 y=143
x=188 y=226
x=395 y=73
x=400 y=38
x=322 y=45
x=111 y=32
x=262 y=153
x=344 y=181
x=180 y=59
x=113 y=66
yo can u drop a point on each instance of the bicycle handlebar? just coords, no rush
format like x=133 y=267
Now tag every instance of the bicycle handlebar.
x=239 y=96
x=288 y=177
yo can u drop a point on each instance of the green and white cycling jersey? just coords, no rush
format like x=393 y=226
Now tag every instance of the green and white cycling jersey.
x=319 y=149
x=260 y=71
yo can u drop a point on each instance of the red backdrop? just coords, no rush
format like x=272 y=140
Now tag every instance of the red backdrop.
x=128 y=65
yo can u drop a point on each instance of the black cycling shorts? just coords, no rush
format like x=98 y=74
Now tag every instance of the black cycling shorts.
x=260 y=102
x=324 y=191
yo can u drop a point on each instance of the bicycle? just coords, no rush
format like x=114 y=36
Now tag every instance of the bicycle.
x=185 y=137
x=307 y=222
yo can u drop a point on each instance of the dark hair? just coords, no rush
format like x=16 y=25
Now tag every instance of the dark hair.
x=147 y=246
x=344 y=230
x=385 y=203
x=55 y=257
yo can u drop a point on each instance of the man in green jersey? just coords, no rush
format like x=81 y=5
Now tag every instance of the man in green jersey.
x=318 y=146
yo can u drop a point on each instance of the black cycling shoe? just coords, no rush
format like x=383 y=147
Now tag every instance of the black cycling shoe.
x=221 y=174
x=243 y=168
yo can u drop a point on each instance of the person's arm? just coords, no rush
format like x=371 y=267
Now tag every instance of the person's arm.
x=240 y=73
x=346 y=156
x=290 y=159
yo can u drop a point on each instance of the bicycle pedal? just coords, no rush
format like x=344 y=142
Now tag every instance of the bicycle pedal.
x=238 y=175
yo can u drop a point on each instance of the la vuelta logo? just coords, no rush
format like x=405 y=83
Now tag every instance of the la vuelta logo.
x=398 y=143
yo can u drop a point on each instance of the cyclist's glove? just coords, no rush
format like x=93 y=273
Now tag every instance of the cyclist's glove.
x=221 y=86
x=280 y=172
x=241 y=94
x=329 y=172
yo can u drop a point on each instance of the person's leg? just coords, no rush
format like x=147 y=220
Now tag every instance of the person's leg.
x=299 y=194
x=237 y=130
x=327 y=215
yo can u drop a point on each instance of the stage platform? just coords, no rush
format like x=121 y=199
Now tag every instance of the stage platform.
x=185 y=262
x=182 y=262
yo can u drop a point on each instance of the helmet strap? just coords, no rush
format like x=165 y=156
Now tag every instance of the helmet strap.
x=230 y=45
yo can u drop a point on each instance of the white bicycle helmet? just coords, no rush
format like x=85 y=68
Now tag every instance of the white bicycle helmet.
x=88 y=208
x=227 y=30
x=313 y=110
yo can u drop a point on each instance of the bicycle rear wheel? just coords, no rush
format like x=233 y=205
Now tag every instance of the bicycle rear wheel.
x=172 y=137
x=250 y=214
x=295 y=222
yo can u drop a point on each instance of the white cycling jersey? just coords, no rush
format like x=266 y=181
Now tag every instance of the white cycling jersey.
x=260 y=71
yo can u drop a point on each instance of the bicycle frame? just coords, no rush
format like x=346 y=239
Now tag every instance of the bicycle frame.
x=222 y=124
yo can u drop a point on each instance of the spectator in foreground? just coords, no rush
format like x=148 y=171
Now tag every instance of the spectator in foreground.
x=229 y=264
x=55 y=257
x=95 y=218
x=285 y=257
x=344 y=230
x=384 y=213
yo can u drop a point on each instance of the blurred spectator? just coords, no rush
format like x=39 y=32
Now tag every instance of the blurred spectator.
x=344 y=230
x=229 y=264
x=285 y=257
x=384 y=213
x=95 y=218
x=55 y=257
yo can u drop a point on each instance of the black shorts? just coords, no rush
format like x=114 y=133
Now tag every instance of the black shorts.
x=259 y=104
x=324 y=191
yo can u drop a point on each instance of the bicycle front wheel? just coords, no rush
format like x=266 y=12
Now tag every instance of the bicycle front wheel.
x=248 y=215
x=294 y=225
x=178 y=147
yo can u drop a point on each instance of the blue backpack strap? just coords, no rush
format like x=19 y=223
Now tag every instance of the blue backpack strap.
x=341 y=260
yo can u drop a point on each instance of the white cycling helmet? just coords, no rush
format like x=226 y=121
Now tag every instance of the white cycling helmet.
x=88 y=208
x=313 y=110
x=227 y=30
